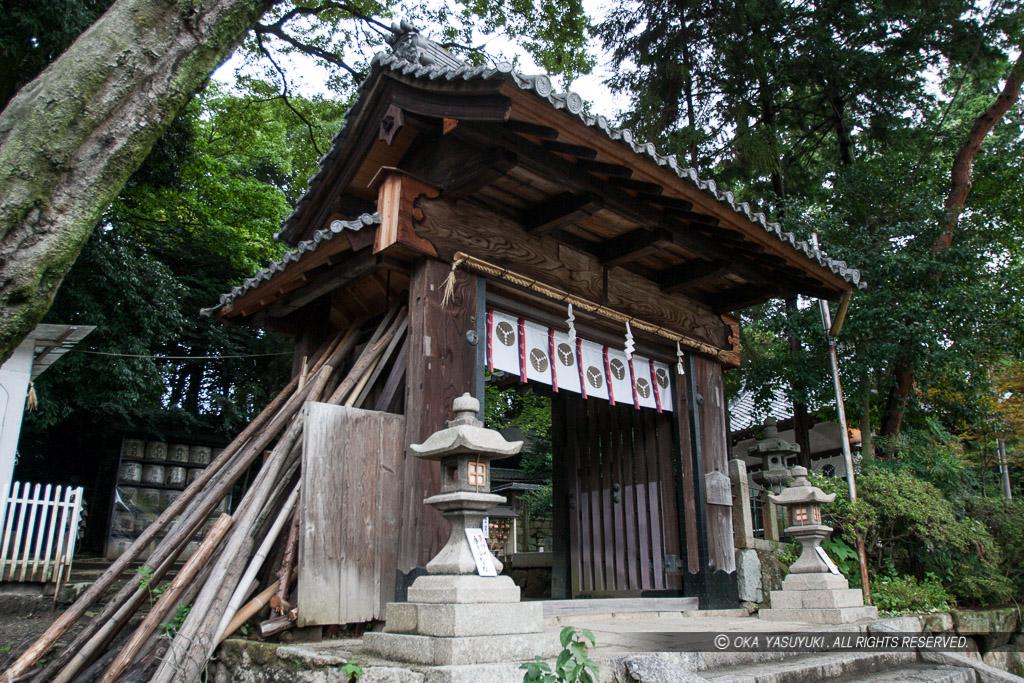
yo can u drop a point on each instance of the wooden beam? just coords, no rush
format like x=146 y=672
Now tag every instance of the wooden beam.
x=616 y=170
x=578 y=151
x=636 y=185
x=675 y=204
x=687 y=215
x=630 y=246
x=356 y=267
x=527 y=128
x=690 y=274
x=562 y=211
x=480 y=232
x=740 y=297
x=396 y=202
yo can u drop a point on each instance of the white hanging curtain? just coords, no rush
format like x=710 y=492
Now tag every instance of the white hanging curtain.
x=537 y=353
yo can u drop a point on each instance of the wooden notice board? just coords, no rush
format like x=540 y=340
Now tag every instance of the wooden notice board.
x=348 y=540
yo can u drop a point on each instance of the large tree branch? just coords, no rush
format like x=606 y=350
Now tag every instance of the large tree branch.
x=70 y=139
x=959 y=189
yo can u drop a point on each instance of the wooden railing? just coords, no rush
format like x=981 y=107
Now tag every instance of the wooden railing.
x=40 y=532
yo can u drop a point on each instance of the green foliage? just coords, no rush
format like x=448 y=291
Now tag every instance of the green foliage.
x=171 y=629
x=33 y=34
x=902 y=595
x=573 y=663
x=352 y=670
x=523 y=409
x=845 y=559
x=911 y=529
x=1004 y=519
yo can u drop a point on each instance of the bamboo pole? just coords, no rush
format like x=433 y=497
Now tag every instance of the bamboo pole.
x=252 y=607
x=242 y=450
x=370 y=353
x=168 y=599
x=242 y=592
x=284 y=576
x=195 y=638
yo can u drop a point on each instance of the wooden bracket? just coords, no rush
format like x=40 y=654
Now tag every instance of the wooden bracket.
x=391 y=123
x=396 y=201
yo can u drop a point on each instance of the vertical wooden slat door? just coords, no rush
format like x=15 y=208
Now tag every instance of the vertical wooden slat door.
x=623 y=516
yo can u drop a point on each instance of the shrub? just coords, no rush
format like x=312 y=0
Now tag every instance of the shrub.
x=906 y=594
x=911 y=529
x=1004 y=520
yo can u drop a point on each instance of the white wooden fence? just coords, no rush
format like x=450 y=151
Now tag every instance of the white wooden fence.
x=40 y=532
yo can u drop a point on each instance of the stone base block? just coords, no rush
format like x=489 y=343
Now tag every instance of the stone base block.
x=480 y=619
x=830 y=616
x=463 y=589
x=813 y=599
x=812 y=582
x=438 y=651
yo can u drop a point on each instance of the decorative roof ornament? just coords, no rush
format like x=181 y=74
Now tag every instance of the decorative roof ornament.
x=409 y=43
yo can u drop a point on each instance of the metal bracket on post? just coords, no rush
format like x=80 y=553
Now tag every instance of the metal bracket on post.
x=674 y=565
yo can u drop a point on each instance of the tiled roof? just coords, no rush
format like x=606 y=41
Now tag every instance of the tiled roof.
x=743 y=412
x=404 y=61
x=417 y=57
x=319 y=237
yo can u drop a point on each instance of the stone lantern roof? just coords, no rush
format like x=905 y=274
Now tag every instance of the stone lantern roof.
x=801 y=491
x=771 y=443
x=466 y=434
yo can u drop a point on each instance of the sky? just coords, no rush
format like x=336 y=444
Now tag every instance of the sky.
x=307 y=78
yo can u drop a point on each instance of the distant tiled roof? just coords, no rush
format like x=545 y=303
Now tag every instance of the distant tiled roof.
x=319 y=237
x=417 y=57
x=743 y=413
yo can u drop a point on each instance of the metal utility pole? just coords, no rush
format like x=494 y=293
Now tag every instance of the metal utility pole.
x=1004 y=468
x=832 y=330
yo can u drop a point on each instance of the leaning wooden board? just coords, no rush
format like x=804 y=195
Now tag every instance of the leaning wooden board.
x=348 y=537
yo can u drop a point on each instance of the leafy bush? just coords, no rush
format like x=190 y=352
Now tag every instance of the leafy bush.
x=906 y=594
x=911 y=529
x=1004 y=519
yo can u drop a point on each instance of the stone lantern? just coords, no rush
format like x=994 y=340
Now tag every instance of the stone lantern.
x=773 y=452
x=465 y=450
x=814 y=590
x=773 y=474
x=803 y=501
x=457 y=614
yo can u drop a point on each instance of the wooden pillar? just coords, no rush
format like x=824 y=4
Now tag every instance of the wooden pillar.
x=708 y=425
x=442 y=365
x=561 y=487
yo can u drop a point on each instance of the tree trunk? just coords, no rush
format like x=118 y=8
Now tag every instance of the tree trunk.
x=70 y=139
x=960 y=187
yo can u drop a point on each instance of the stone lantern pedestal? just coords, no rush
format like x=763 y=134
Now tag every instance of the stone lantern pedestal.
x=812 y=592
x=454 y=615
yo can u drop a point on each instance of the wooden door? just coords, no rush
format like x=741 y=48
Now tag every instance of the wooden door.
x=621 y=485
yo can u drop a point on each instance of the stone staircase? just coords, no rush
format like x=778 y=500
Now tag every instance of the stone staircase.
x=849 y=667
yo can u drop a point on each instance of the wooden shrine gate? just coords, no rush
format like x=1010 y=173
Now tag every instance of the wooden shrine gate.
x=623 y=511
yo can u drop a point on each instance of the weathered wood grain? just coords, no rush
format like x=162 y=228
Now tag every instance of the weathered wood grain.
x=715 y=443
x=441 y=367
x=349 y=532
x=461 y=226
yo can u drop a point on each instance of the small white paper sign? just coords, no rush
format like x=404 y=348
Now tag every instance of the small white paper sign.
x=826 y=559
x=486 y=525
x=481 y=554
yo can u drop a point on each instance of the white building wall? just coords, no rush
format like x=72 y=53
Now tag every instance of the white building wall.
x=14 y=378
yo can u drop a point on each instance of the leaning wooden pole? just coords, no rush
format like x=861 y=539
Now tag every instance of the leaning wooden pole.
x=239 y=454
x=168 y=599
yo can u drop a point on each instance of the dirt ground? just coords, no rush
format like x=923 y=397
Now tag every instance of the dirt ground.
x=20 y=626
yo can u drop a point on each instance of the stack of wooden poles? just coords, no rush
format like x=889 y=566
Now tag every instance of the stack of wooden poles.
x=218 y=581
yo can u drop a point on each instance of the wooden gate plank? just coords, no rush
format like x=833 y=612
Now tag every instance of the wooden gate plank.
x=669 y=501
x=349 y=527
x=625 y=442
x=650 y=453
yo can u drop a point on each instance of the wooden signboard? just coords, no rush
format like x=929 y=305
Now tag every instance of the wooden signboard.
x=351 y=462
x=718 y=489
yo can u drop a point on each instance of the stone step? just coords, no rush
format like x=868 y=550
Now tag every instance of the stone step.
x=806 y=668
x=564 y=608
x=919 y=673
